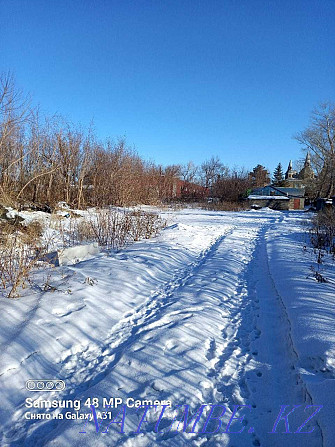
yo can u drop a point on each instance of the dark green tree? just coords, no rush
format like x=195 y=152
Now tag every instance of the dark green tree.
x=278 y=176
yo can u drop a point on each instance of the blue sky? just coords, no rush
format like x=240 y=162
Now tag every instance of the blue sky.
x=181 y=79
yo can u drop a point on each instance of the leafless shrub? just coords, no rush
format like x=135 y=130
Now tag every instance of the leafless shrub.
x=106 y=227
x=322 y=237
x=115 y=229
x=322 y=233
x=19 y=254
x=144 y=225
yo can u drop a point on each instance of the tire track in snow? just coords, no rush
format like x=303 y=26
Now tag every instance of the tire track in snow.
x=228 y=372
x=293 y=352
x=270 y=376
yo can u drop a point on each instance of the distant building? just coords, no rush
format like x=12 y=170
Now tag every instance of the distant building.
x=290 y=197
x=277 y=198
x=188 y=191
x=294 y=179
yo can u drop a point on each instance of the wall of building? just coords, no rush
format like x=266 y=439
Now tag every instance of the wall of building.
x=275 y=204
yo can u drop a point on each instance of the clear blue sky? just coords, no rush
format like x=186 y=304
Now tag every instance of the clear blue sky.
x=182 y=79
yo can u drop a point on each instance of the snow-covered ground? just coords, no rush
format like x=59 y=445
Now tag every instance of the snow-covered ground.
x=219 y=309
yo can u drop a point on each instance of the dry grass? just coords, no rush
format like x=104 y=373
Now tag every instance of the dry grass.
x=226 y=206
x=20 y=253
x=6 y=199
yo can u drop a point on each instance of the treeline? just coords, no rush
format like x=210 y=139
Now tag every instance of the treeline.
x=46 y=160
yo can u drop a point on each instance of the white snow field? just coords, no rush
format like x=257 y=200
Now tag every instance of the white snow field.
x=219 y=309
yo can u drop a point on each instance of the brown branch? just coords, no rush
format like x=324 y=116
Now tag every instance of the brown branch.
x=34 y=178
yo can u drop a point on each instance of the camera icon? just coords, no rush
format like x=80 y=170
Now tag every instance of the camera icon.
x=45 y=385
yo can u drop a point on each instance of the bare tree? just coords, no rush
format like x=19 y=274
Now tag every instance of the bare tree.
x=14 y=113
x=233 y=186
x=319 y=139
x=14 y=107
x=212 y=170
x=188 y=172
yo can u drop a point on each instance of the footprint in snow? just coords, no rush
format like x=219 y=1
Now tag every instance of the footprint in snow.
x=211 y=349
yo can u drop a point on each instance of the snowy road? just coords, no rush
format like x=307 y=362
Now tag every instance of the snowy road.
x=214 y=311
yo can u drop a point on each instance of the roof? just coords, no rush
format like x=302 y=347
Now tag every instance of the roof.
x=295 y=192
x=275 y=191
x=258 y=197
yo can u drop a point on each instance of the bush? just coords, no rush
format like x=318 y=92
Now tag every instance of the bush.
x=322 y=233
x=19 y=254
x=115 y=229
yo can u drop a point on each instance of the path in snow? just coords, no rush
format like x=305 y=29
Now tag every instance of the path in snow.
x=270 y=378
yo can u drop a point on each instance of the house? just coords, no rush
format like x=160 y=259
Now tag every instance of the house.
x=277 y=198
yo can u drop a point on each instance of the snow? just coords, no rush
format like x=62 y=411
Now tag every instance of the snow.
x=256 y=197
x=72 y=255
x=220 y=308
